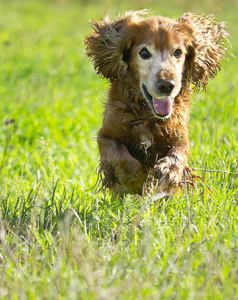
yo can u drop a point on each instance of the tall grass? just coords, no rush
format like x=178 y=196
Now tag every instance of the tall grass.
x=59 y=237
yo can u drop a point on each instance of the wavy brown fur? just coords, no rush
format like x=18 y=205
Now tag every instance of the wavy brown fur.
x=135 y=137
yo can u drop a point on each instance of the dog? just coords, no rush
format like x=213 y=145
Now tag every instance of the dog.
x=151 y=63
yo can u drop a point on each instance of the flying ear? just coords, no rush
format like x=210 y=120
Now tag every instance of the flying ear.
x=109 y=44
x=209 y=41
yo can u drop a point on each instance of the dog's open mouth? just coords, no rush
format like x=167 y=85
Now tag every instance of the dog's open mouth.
x=162 y=107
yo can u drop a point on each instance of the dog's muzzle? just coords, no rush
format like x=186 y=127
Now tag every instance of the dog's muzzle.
x=162 y=107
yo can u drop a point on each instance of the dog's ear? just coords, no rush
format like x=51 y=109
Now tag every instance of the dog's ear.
x=109 y=44
x=207 y=46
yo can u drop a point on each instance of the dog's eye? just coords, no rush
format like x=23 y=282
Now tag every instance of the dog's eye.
x=177 y=53
x=145 y=54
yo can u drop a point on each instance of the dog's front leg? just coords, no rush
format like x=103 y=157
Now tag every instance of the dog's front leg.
x=122 y=172
x=169 y=169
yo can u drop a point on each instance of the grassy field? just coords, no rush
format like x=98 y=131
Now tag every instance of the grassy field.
x=59 y=238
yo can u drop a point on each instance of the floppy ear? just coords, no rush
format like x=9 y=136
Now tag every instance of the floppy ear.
x=209 y=41
x=109 y=44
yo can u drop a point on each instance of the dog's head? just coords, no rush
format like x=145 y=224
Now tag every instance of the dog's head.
x=161 y=54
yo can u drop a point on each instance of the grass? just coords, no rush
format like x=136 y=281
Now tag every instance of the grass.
x=59 y=238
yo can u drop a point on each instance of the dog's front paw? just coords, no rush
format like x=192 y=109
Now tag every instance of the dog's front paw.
x=167 y=174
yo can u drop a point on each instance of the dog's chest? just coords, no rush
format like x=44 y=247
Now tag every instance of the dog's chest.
x=145 y=141
x=151 y=143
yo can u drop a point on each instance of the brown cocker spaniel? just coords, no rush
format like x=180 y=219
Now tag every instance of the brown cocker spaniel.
x=151 y=63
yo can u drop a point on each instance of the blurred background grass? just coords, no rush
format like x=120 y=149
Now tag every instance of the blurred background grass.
x=50 y=88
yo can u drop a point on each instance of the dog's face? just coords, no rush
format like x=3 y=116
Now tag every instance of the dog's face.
x=158 y=64
x=161 y=56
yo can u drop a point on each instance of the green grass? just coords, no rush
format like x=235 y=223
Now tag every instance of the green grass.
x=59 y=238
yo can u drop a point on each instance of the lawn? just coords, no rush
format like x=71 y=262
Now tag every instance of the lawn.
x=59 y=237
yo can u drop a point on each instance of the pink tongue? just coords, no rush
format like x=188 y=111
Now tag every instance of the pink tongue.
x=162 y=106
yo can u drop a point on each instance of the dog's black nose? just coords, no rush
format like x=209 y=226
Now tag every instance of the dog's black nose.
x=165 y=86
